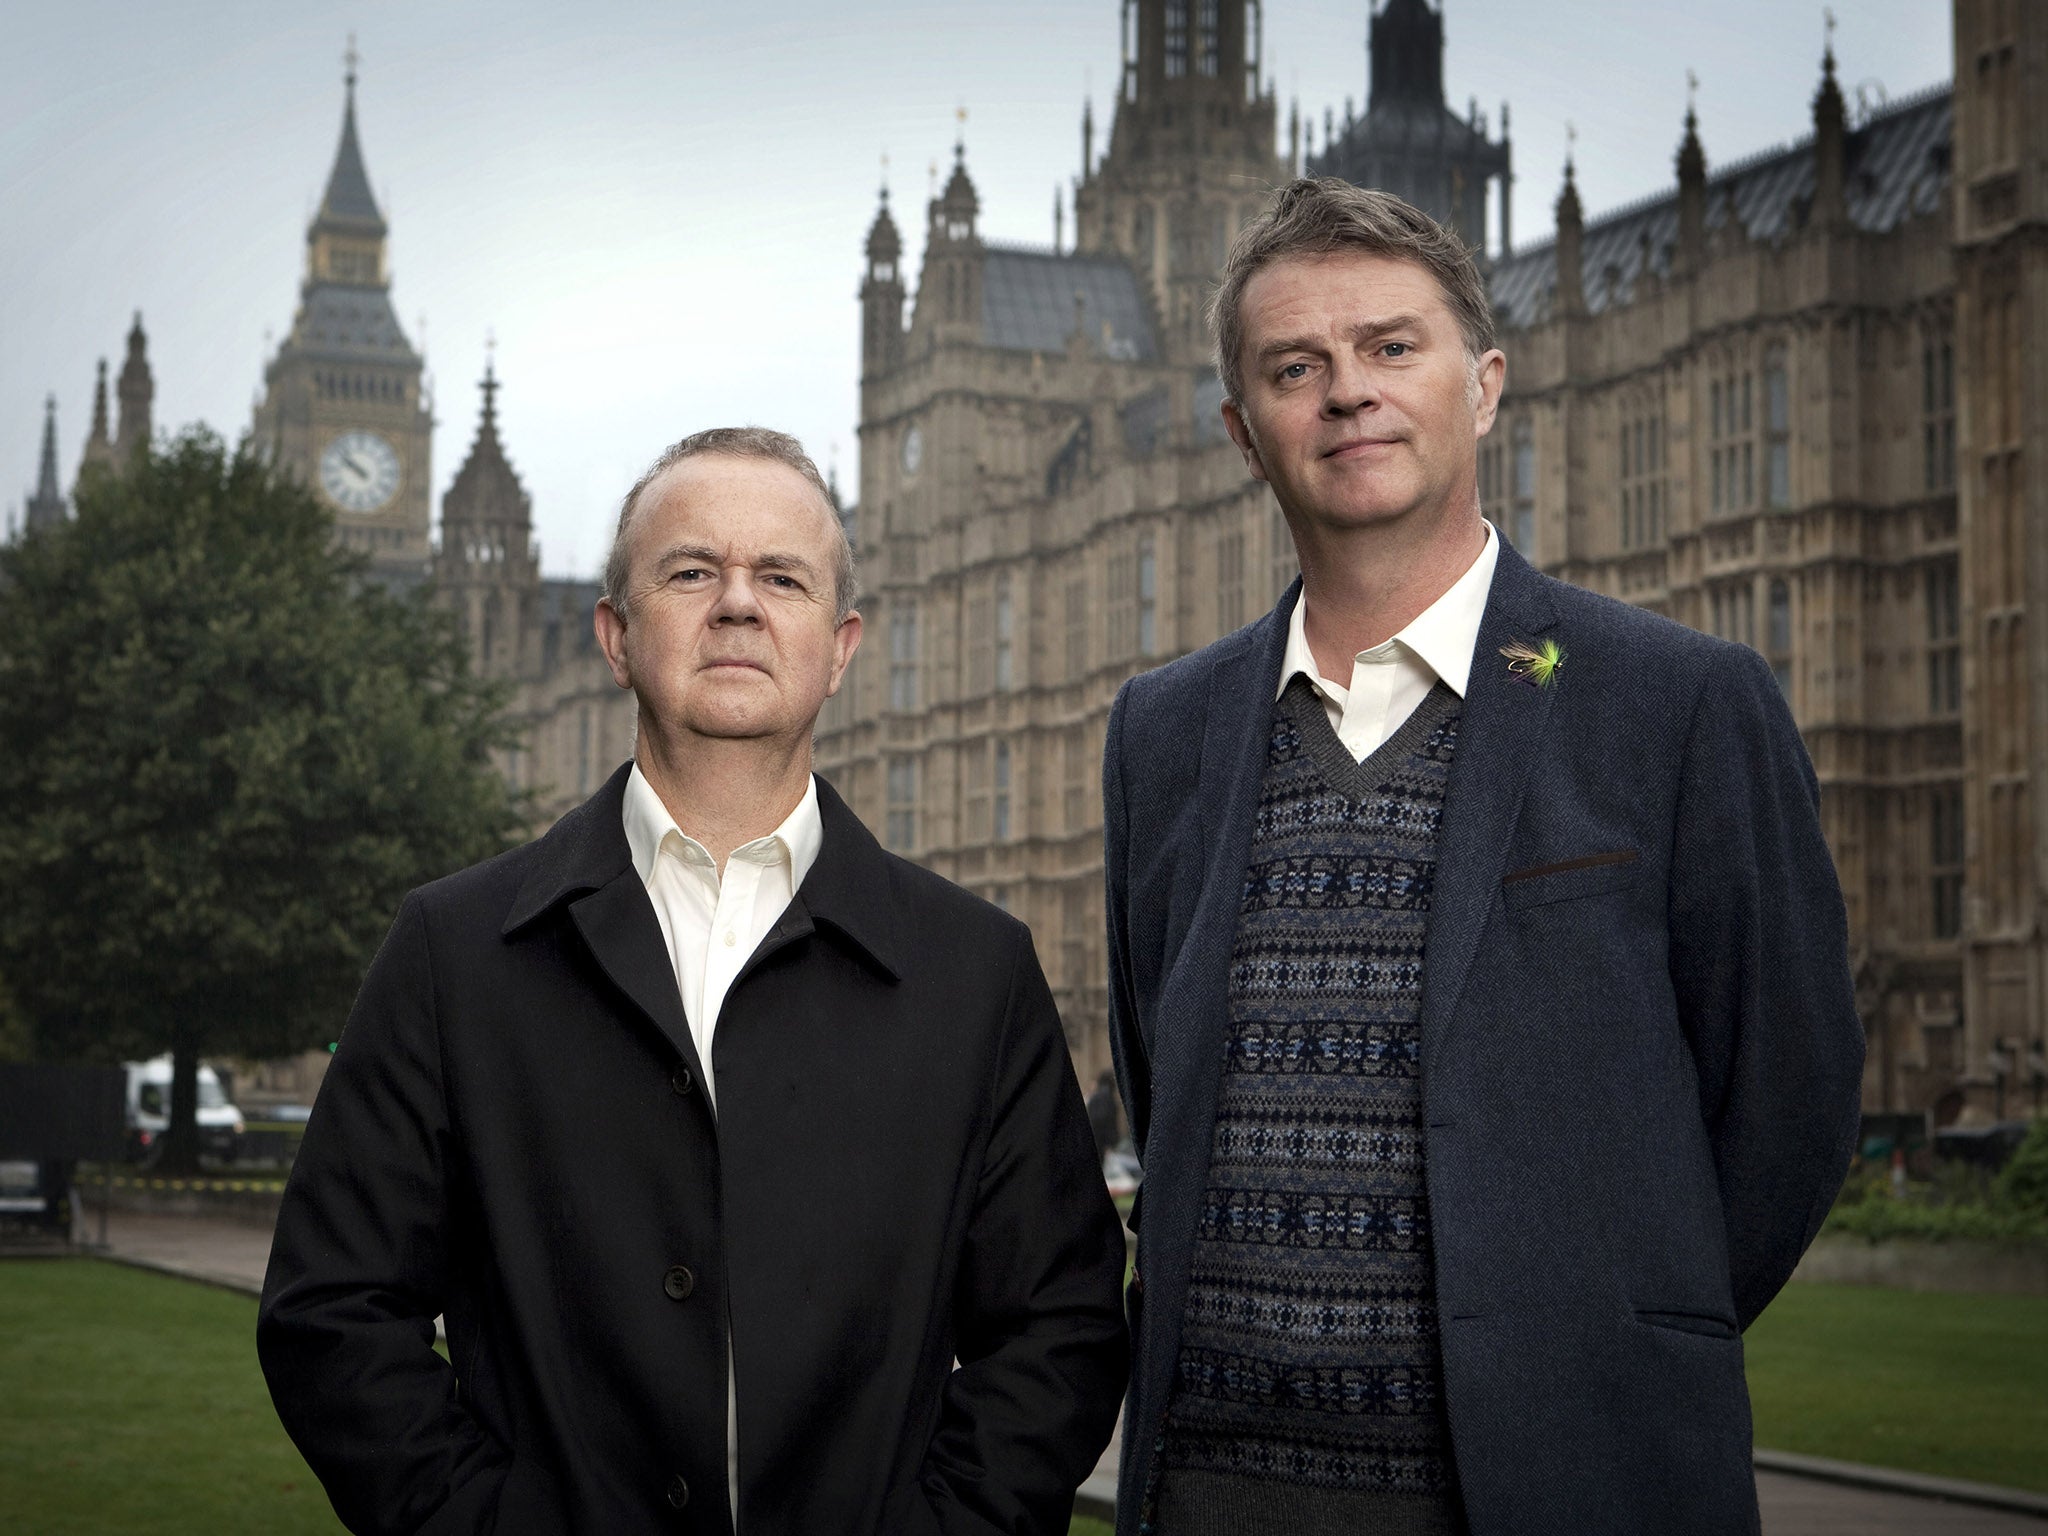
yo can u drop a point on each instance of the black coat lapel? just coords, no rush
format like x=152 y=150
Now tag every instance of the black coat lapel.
x=1499 y=737
x=617 y=921
x=584 y=861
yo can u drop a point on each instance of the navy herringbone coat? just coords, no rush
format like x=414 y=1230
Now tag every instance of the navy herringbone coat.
x=897 y=1210
x=1641 y=1057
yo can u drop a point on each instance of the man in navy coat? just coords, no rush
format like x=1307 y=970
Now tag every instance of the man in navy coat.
x=744 y=1160
x=1479 y=988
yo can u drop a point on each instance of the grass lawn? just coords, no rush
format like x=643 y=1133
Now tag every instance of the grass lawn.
x=1953 y=1386
x=131 y=1403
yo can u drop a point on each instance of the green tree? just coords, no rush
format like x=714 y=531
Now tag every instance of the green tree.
x=225 y=755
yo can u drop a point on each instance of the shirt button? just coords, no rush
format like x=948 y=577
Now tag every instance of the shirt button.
x=731 y=939
x=678 y=1283
x=678 y=1493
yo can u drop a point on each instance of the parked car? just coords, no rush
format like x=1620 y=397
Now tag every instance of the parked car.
x=149 y=1110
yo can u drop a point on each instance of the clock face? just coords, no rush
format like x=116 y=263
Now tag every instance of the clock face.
x=359 y=472
x=913 y=450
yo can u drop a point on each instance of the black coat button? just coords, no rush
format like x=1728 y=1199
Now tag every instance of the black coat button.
x=678 y=1491
x=678 y=1283
x=680 y=1081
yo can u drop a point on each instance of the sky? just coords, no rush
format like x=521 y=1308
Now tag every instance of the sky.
x=658 y=209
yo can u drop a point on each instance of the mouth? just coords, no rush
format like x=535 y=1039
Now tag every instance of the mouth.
x=1359 y=447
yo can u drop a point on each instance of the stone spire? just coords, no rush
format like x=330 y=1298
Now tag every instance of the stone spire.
x=46 y=505
x=137 y=391
x=881 y=295
x=1571 y=229
x=99 y=442
x=487 y=567
x=345 y=241
x=953 y=257
x=955 y=209
x=1830 y=144
x=348 y=200
x=1692 y=188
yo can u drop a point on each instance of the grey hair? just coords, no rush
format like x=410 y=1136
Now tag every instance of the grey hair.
x=1320 y=216
x=740 y=443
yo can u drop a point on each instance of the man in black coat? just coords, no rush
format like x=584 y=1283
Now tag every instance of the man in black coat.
x=743 y=1160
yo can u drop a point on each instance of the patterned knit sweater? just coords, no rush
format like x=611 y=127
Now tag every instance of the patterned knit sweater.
x=1308 y=1389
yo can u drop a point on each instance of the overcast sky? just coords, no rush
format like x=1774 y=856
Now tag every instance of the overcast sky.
x=659 y=207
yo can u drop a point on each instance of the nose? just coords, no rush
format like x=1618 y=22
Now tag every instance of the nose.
x=738 y=601
x=1352 y=386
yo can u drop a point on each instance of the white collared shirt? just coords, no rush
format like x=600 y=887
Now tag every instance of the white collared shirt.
x=1388 y=681
x=714 y=920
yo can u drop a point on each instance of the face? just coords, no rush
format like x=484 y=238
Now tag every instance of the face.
x=733 y=632
x=1360 y=404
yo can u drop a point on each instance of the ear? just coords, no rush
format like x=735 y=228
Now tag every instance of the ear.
x=1241 y=434
x=611 y=639
x=1489 y=375
x=845 y=641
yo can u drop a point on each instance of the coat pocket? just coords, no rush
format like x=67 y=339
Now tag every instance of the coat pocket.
x=1704 y=1324
x=1569 y=879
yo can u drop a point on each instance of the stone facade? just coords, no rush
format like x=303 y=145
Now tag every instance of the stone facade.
x=1749 y=403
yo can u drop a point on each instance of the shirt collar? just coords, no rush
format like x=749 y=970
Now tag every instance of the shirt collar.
x=648 y=824
x=1443 y=635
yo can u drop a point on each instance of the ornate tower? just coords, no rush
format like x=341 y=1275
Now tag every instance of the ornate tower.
x=1192 y=156
x=881 y=296
x=486 y=568
x=99 y=442
x=1409 y=142
x=2001 y=217
x=46 y=505
x=343 y=406
x=952 y=258
x=137 y=391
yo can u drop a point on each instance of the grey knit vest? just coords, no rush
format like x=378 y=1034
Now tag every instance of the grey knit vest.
x=1308 y=1393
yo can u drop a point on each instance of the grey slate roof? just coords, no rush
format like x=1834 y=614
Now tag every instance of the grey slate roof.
x=1027 y=303
x=348 y=196
x=356 y=324
x=1898 y=163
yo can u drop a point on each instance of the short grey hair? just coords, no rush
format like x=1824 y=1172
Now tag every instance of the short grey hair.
x=1320 y=216
x=738 y=443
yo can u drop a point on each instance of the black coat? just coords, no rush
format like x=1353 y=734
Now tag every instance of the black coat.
x=1641 y=1061
x=513 y=1134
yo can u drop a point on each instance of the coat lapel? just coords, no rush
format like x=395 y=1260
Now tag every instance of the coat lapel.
x=1499 y=737
x=585 y=863
x=617 y=921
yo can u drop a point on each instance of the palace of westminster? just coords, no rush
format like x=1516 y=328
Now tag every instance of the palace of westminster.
x=1790 y=399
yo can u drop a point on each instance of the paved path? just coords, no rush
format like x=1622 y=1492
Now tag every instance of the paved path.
x=234 y=1254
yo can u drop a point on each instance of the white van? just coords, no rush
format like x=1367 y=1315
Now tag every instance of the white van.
x=149 y=1110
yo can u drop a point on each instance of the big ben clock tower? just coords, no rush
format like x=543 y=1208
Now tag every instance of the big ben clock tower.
x=342 y=405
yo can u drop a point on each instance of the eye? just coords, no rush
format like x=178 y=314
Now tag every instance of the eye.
x=789 y=583
x=1292 y=371
x=1396 y=349
x=689 y=573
